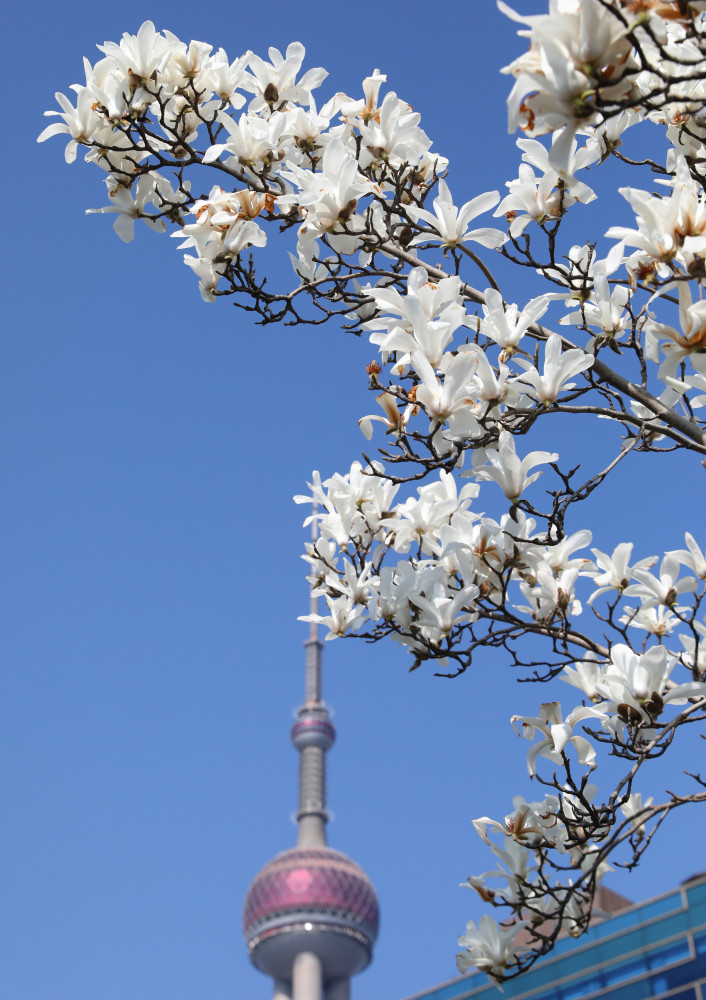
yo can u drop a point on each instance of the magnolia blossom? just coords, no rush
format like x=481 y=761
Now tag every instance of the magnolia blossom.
x=531 y=823
x=275 y=82
x=488 y=947
x=584 y=675
x=664 y=589
x=81 y=122
x=425 y=319
x=678 y=344
x=635 y=686
x=634 y=809
x=442 y=399
x=393 y=135
x=614 y=572
x=505 y=324
x=552 y=594
x=506 y=469
x=130 y=205
x=559 y=366
x=452 y=223
x=604 y=310
x=530 y=200
x=394 y=419
x=668 y=228
x=692 y=557
x=657 y=621
x=574 y=49
x=558 y=733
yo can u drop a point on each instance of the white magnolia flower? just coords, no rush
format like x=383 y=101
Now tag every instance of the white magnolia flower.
x=636 y=686
x=275 y=82
x=328 y=198
x=559 y=557
x=558 y=733
x=694 y=655
x=537 y=155
x=130 y=204
x=439 y=398
x=559 y=366
x=634 y=809
x=573 y=51
x=505 y=468
x=584 y=675
x=392 y=135
x=668 y=228
x=552 y=593
x=678 y=344
x=664 y=589
x=505 y=324
x=344 y=616
x=418 y=519
x=614 y=572
x=140 y=58
x=253 y=142
x=531 y=200
x=443 y=610
x=452 y=223
x=530 y=823
x=82 y=122
x=365 y=109
x=605 y=310
x=656 y=620
x=424 y=319
x=225 y=78
x=395 y=419
x=488 y=947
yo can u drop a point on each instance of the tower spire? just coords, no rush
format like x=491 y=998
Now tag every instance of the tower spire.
x=313 y=734
x=311 y=914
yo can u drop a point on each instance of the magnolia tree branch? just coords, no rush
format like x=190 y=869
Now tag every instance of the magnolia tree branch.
x=442 y=541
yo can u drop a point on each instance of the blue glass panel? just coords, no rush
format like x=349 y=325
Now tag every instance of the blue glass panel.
x=697 y=912
x=547 y=974
x=639 y=915
x=696 y=893
x=624 y=970
x=678 y=976
x=580 y=988
x=611 y=950
x=669 y=927
x=671 y=953
x=461 y=987
x=633 y=991
x=570 y=944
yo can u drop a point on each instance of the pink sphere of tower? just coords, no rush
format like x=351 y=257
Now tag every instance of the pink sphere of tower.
x=312 y=899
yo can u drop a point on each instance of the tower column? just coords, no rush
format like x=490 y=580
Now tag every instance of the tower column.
x=307 y=978
x=283 y=990
x=312 y=813
x=340 y=990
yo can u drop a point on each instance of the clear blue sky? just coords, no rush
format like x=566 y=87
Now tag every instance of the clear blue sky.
x=151 y=654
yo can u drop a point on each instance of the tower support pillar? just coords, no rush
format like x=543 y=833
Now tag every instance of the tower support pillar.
x=283 y=990
x=340 y=990
x=307 y=977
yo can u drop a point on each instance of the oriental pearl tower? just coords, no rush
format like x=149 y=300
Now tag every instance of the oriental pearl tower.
x=311 y=915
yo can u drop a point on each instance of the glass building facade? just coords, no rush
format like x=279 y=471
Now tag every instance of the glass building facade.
x=653 y=949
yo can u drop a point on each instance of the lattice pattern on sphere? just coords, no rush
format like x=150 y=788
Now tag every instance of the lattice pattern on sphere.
x=308 y=881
